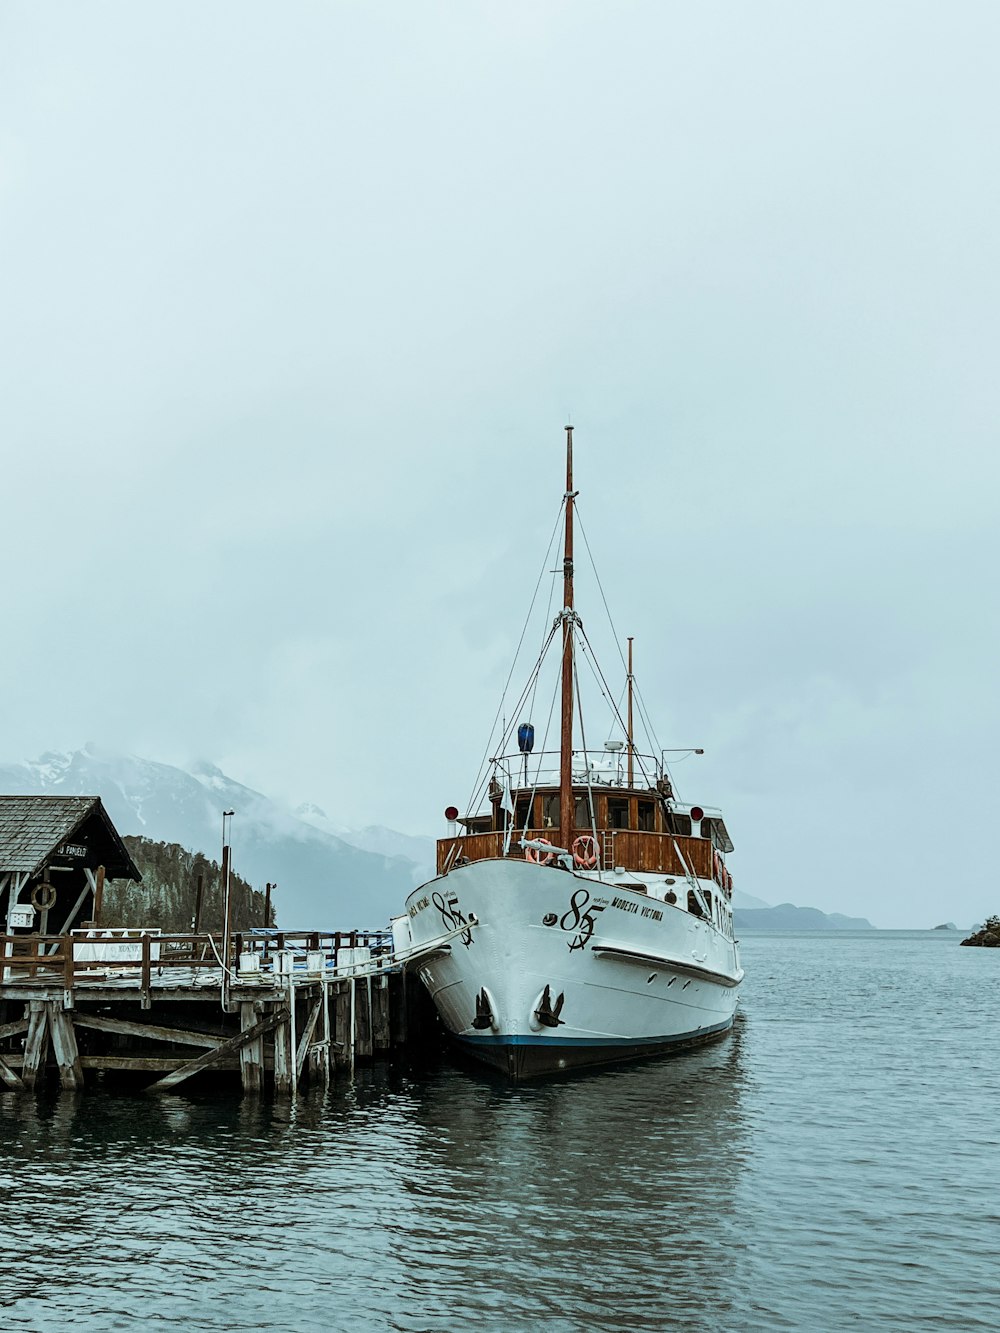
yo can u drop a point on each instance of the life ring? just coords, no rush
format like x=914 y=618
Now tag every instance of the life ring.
x=538 y=856
x=585 y=854
x=43 y=896
x=718 y=870
x=729 y=884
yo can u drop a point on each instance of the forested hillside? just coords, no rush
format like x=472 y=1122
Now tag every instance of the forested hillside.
x=166 y=896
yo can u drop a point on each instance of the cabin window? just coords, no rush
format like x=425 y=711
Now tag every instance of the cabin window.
x=679 y=825
x=522 y=812
x=706 y=894
x=647 y=816
x=617 y=813
x=581 y=812
x=694 y=906
x=550 y=810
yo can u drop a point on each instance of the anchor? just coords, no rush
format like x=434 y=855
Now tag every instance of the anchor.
x=484 y=1014
x=546 y=1013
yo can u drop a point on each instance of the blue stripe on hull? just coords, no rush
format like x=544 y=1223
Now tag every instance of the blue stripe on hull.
x=613 y=1043
x=526 y=1056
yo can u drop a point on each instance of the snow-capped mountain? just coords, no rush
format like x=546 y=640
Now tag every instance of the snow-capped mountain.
x=324 y=882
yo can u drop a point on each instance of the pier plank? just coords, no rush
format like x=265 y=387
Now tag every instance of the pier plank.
x=276 y=1020
x=7 y=1075
x=127 y=1028
x=13 y=1029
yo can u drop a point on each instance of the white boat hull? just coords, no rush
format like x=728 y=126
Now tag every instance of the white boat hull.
x=637 y=976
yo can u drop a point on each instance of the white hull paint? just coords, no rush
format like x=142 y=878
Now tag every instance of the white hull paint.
x=638 y=976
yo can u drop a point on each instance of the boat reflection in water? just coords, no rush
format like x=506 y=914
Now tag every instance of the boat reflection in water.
x=603 y=1200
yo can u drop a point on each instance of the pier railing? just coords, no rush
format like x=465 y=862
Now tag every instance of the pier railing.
x=140 y=954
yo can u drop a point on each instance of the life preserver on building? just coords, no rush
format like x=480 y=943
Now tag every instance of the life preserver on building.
x=585 y=852
x=718 y=870
x=538 y=856
x=729 y=884
x=43 y=896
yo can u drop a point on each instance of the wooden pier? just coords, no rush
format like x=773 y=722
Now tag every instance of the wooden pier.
x=285 y=1009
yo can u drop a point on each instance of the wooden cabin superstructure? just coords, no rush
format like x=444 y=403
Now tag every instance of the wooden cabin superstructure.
x=635 y=828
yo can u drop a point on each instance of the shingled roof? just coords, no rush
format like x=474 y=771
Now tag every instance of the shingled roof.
x=33 y=828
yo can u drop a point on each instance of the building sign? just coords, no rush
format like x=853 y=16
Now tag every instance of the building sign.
x=73 y=849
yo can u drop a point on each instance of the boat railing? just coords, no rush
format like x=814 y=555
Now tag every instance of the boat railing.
x=648 y=853
x=601 y=768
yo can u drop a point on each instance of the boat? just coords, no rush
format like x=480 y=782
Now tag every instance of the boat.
x=581 y=913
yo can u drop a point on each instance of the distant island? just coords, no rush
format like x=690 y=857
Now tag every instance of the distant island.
x=786 y=916
x=988 y=936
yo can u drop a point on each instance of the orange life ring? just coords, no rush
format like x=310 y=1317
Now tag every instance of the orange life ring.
x=539 y=857
x=729 y=884
x=585 y=853
x=718 y=870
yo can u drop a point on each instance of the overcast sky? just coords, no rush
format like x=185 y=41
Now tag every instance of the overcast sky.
x=296 y=299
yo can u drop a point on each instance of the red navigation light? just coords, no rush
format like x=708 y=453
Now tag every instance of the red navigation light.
x=697 y=813
x=451 y=813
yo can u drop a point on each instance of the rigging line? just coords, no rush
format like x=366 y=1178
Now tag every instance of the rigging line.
x=548 y=617
x=527 y=619
x=481 y=778
x=638 y=757
x=599 y=678
x=645 y=714
x=600 y=586
x=590 y=786
x=538 y=769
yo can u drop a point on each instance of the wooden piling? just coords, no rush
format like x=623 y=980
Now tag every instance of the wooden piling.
x=342 y=1023
x=381 y=1035
x=251 y=1052
x=64 y=1047
x=283 y=1057
x=363 y=1018
x=36 y=1042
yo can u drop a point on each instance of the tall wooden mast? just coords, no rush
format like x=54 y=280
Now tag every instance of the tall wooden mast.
x=631 y=742
x=568 y=618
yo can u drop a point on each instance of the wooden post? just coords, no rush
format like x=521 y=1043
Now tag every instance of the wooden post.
x=381 y=1039
x=98 y=896
x=267 y=905
x=199 y=887
x=363 y=1018
x=144 y=982
x=64 y=1047
x=36 y=1043
x=283 y=1056
x=341 y=1023
x=252 y=1053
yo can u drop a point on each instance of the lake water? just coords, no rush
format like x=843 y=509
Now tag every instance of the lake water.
x=833 y=1164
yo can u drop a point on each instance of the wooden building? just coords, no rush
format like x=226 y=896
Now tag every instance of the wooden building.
x=55 y=854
